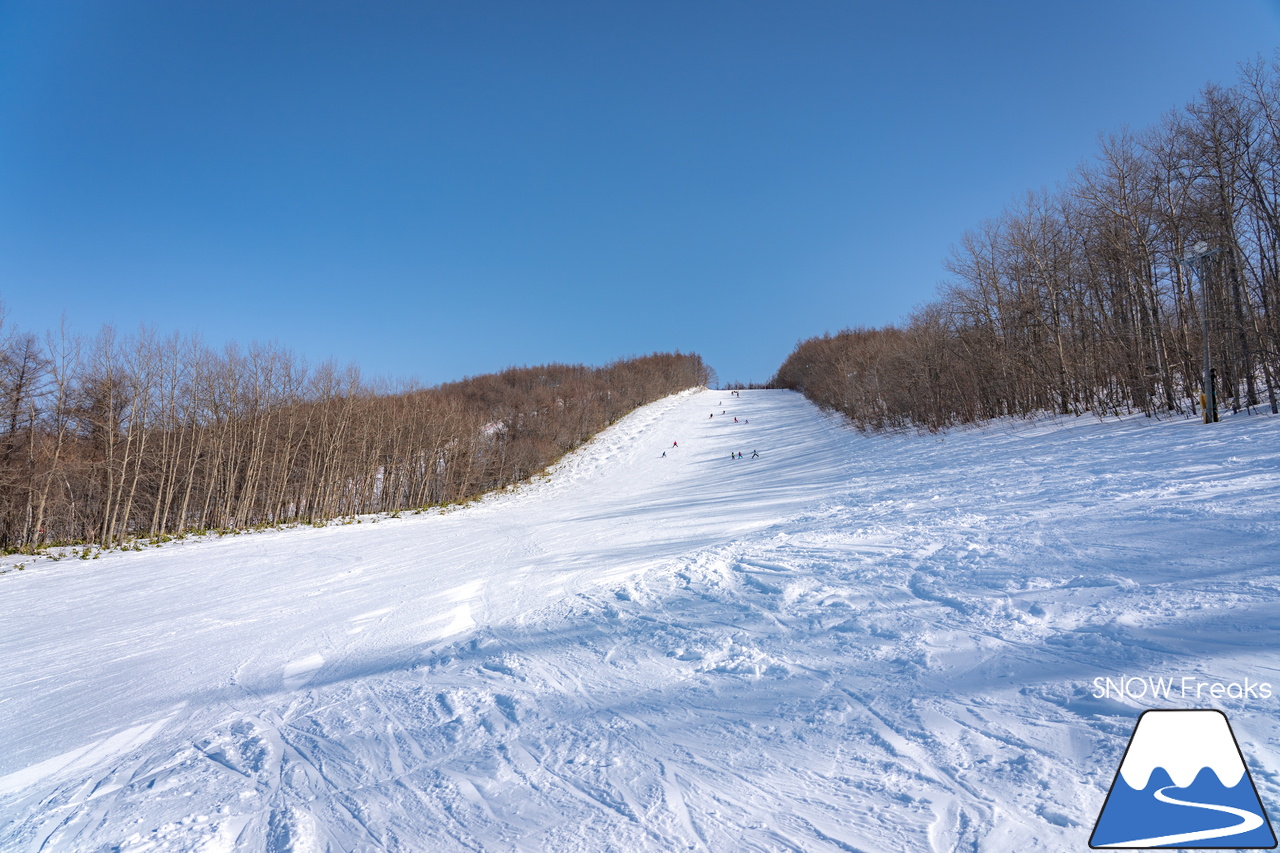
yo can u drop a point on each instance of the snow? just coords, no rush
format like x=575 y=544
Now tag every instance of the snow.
x=854 y=643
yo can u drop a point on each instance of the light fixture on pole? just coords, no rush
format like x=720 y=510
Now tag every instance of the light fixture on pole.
x=1197 y=259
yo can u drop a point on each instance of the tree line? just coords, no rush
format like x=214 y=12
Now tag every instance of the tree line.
x=1081 y=299
x=114 y=438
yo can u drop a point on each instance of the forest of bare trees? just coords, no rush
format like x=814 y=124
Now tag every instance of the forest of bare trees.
x=117 y=438
x=1080 y=300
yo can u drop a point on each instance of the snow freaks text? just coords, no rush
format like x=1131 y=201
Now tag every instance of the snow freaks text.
x=1178 y=687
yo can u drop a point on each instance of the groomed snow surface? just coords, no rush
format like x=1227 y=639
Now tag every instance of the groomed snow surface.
x=854 y=643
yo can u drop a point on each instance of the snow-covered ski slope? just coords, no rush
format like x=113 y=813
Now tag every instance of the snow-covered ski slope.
x=851 y=643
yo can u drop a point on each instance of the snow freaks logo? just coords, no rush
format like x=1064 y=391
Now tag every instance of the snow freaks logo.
x=1183 y=783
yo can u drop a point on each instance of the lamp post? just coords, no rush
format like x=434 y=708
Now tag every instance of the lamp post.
x=1199 y=256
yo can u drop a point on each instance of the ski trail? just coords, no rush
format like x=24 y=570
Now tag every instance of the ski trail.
x=851 y=643
x=1248 y=821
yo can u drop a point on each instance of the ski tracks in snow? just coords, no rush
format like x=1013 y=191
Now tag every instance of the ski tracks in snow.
x=899 y=661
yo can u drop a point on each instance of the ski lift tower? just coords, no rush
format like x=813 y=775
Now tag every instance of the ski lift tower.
x=1198 y=260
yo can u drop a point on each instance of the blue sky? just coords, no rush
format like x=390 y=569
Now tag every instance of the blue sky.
x=441 y=189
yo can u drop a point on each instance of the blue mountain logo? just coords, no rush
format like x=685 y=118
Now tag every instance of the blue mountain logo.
x=1183 y=783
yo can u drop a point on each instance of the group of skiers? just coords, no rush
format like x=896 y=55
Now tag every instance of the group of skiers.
x=737 y=454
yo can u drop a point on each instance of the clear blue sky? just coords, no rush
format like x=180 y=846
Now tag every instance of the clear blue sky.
x=440 y=189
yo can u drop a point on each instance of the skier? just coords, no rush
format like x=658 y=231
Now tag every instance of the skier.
x=755 y=454
x=735 y=420
x=675 y=444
